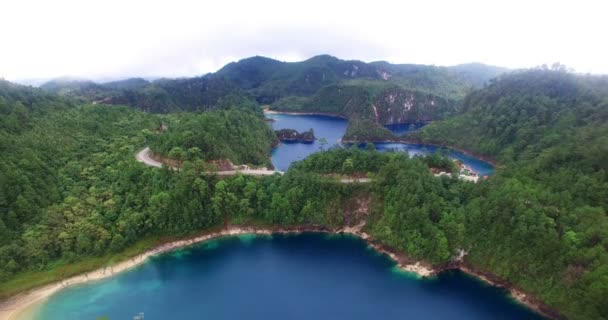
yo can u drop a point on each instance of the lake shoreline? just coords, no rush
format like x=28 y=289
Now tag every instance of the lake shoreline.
x=467 y=152
x=517 y=294
x=19 y=307
x=22 y=305
x=484 y=158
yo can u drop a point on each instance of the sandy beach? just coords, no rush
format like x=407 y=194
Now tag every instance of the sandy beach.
x=21 y=306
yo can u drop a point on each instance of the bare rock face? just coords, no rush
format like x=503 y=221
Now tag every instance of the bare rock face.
x=356 y=210
x=403 y=106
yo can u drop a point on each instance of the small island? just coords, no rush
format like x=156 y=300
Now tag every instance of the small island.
x=291 y=135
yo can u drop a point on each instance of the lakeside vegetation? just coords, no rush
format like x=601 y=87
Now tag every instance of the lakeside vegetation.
x=240 y=136
x=367 y=130
x=72 y=194
x=550 y=127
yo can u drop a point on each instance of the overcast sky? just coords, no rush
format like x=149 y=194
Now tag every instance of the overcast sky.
x=119 y=38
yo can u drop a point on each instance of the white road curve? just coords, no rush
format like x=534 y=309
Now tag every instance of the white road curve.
x=354 y=180
x=143 y=156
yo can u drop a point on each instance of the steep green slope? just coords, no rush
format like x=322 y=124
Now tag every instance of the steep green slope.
x=523 y=113
x=384 y=103
x=541 y=223
x=73 y=198
x=269 y=79
x=240 y=136
x=201 y=93
x=478 y=74
x=160 y=96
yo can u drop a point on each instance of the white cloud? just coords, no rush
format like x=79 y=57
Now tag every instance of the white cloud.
x=112 y=38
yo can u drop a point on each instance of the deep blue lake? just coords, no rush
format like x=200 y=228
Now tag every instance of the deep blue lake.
x=308 y=276
x=333 y=128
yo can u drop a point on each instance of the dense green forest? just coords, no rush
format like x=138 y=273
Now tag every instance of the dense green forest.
x=550 y=128
x=270 y=79
x=72 y=196
x=520 y=115
x=260 y=80
x=238 y=135
x=380 y=91
x=382 y=102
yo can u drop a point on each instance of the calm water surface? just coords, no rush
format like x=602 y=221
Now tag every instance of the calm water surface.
x=309 y=276
x=333 y=128
x=328 y=131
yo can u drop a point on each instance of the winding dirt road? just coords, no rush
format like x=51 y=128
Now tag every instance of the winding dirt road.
x=143 y=156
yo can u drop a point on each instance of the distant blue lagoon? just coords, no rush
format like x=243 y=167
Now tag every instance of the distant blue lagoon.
x=307 y=276
x=481 y=167
x=333 y=128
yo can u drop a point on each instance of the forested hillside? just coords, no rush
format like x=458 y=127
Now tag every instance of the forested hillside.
x=73 y=198
x=521 y=114
x=383 y=92
x=269 y=79
x=58 y=176
x=266 y=81
x=237 y=135
x=550 y=128
x=160 y=96
x=384 y=103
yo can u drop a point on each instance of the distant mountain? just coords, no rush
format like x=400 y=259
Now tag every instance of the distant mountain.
x=131 y=83
x=270 y=79
x=478 y=74
x=68 y=84
x=402 y=92
x=81 y=89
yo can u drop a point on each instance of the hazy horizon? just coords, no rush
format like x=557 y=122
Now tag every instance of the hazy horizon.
x=39 y=81
x=112 y=40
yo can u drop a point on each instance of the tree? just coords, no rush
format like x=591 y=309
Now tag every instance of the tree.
x=348 y=166
x=178 y=154
x=194 y=153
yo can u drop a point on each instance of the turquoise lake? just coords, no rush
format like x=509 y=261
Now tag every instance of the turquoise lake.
x=329 y=130
x=307 y=276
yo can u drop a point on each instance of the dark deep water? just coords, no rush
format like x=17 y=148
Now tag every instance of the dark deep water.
x=308 y=276
x=333 y=128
